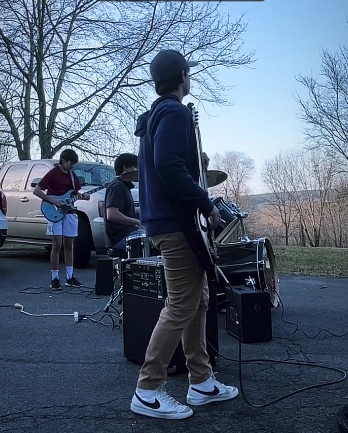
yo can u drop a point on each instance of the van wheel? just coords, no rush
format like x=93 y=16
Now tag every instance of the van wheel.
x=83 y=244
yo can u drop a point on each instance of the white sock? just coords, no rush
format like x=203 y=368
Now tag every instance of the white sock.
x=55 y=274
x=207 y=385
x=145 y=393
x=69 y=272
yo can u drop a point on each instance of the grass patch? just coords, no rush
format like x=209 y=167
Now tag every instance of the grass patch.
x=331 y=262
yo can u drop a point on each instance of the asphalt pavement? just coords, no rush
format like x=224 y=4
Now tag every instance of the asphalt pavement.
x=60 y=376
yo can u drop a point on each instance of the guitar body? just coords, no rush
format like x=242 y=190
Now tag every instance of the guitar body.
x=206 y=247
x=54 y=213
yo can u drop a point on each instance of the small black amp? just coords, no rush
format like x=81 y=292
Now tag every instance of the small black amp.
x=248 y=314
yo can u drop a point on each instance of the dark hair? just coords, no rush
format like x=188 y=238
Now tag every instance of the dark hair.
x=171 y=85
x=127 y=160
x=69 y=155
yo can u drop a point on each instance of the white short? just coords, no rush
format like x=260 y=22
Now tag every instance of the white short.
x=68 y=226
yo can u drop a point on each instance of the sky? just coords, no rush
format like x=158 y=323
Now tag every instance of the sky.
x=288 y=37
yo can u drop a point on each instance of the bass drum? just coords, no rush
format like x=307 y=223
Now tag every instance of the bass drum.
x=139 y=245
x=251 y=263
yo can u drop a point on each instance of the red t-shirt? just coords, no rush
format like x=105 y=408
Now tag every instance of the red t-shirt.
x=56 y=182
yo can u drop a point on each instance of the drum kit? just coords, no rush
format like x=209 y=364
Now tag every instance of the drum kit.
x=243 y=262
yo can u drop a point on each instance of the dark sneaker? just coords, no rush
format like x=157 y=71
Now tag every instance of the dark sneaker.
x=217 y=392
x=55 y=284
x=158 y=404
x=73 y=282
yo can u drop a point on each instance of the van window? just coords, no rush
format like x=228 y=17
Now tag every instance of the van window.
x=12 y=180
x=38 y=171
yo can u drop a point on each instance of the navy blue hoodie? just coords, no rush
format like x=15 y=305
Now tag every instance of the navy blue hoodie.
x=169 y=193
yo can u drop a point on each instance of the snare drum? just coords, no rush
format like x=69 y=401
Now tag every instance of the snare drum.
x=139 y=245
x=252 y=263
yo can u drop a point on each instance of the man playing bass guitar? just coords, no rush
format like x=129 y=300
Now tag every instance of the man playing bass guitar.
x=169 y=196
x=58 y=182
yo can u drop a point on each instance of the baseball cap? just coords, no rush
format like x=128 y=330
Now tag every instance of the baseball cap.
x=168 y=63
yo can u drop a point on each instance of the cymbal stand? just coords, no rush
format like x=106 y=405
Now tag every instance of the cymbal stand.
x=116 y=295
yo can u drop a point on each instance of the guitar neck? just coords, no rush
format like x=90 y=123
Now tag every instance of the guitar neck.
x=202 y=168
x=80 y=195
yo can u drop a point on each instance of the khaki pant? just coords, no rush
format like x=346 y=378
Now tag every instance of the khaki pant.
x=183 y=316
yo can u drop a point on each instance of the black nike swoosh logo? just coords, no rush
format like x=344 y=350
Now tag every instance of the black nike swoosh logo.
x=151 y=405
x=209 y=393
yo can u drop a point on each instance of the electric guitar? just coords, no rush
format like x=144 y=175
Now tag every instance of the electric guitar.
x=204 y=243
x=56 y=213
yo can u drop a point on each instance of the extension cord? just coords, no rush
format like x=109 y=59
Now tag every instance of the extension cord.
x=76 y=315
x=343 y=419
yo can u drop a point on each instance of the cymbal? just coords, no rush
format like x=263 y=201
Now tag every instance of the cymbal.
x=215 y=177
x=130 y=176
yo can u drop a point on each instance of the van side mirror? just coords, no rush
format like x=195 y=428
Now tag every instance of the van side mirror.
x=35 y=182
x=82 y=180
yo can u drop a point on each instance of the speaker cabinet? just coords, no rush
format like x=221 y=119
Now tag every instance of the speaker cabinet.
x=105 y=275
x=248 y=314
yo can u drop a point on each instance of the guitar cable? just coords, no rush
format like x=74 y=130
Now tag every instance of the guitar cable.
x=274 y=361
x=240 y=361
x=245 y=361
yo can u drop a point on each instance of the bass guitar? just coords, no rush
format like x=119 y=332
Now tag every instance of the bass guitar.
x=205 y=247
x=56 y=213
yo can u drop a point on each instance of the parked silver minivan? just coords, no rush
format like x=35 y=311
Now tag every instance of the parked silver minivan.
x=26 y=224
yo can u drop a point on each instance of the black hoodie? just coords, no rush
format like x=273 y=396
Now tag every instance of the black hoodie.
x=169 y=193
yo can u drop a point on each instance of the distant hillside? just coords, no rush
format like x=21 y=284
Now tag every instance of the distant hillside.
x=260 y=200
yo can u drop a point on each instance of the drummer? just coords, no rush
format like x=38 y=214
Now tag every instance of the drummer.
x=119 y=212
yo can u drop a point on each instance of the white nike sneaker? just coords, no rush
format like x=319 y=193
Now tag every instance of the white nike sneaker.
x=159 y=404
x=211 y=390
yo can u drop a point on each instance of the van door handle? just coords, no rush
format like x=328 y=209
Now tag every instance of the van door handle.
x=24 y=199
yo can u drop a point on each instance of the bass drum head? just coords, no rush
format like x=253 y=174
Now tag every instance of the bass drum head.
x=268 y=272
x=252 y=263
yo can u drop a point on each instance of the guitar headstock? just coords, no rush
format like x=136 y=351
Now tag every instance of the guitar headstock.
x=194 y=112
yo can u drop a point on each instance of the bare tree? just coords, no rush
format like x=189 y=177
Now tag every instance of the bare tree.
x=312 y=178
x=75 y=72
x=302 y=184
x=326 y=110
x=6 y=153
x=239 y=168
x=275 y=176
x=335 y=227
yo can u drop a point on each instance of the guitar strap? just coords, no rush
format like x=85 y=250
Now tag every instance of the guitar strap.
x=72 y=179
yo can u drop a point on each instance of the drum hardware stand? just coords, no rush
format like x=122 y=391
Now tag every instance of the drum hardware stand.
x=250 y=282
x=244 y=237
x=113 y=298
x=116 y=295
x=227 y=232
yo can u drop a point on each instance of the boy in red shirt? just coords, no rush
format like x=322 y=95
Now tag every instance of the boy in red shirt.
x=58 y=182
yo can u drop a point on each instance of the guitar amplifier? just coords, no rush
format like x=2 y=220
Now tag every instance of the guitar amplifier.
x=248 y=314
x=144 y=293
